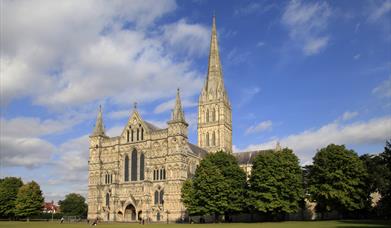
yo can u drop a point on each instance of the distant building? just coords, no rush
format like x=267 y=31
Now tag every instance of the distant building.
x=50 y=207
x=139 y=174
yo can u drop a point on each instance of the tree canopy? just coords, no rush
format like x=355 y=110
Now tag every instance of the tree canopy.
x=9 y=187
x=218 y=186
x=337 y=180
x=275 y=185
x=29 y=200
x=73 y=204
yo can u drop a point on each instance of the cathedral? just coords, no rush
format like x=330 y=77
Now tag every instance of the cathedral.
x=139 y=174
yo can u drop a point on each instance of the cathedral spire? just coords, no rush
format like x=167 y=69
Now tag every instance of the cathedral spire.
x=177 y=113
x=99 y=129
x=215 y=74
x=214 y=109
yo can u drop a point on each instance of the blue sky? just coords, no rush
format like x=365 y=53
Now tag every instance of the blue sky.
x=304 y=73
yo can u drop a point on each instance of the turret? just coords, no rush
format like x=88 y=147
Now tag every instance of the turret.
x=177 y=125
x=99 y=129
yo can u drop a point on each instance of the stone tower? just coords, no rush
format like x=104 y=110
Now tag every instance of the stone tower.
x=95 y=172
x=176 y=159
x=214 y=108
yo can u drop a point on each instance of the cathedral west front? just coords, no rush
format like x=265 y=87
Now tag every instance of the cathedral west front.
x=139 y=174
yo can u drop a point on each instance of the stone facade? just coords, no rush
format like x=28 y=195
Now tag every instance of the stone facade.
x=139 y=174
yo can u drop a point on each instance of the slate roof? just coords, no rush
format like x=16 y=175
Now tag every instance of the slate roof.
x=151 y=126
x=197 y=150
x=248 y=156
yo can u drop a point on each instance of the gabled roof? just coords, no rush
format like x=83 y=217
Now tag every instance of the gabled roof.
x=151 y=126
x=247 y=157
x=197 y=150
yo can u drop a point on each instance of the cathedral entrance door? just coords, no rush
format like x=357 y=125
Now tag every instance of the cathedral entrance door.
x=130 y=213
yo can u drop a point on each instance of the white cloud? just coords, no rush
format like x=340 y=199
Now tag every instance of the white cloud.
x=119 y=114
x=169 y=105
x=379 y=11
x=306 y=23
x=262 y=126
x=20 y=142
x=108 y=54
x=254 y=8
x=32 y=127
x=236 y=56
x=348 y=115
x=384 y=89
x=28 y=152
x=114 y=131
x=314 y=46
x=307 y=142
x=248 y=94
x=192 y=39
x=260 y=44
x=357 y=56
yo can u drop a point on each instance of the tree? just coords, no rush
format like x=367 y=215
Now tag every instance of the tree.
x=218 y=187
x=29 y=200
x=73 y=204
x=9 y=187
x=275 y=185
x=188 y=197
x=378 y=173
x=234 y=177
x=385 y=190
x=337 y=180
x=208 y=194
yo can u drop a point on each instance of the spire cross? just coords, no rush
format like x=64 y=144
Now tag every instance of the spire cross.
x=135 y=105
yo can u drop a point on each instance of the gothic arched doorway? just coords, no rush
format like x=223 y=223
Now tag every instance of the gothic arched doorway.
x=130 y=213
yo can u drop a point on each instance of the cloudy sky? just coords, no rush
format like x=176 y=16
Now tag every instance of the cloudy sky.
x=303 y=73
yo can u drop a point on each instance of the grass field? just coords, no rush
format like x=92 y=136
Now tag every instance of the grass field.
x=291 y=224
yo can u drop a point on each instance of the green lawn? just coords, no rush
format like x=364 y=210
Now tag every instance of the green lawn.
x=320 y=224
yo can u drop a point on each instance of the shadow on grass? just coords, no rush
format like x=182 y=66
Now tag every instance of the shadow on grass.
x=364 y=223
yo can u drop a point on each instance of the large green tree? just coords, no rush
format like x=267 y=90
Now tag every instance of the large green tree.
x=29 y=200
x=234 y=177
x=337 y=180
x=217 y=188
x=9 y=187
x=73 y=204
x=275 y=185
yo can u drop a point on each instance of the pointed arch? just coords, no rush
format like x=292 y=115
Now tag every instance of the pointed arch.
x=126 y=168
x=214 y=115
x=156 y=198
x=161 y=197
x=142 y=166
x=207 y=115
x=134 y=166
x=214 y=139
x=107 y=199
x=207 y=138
